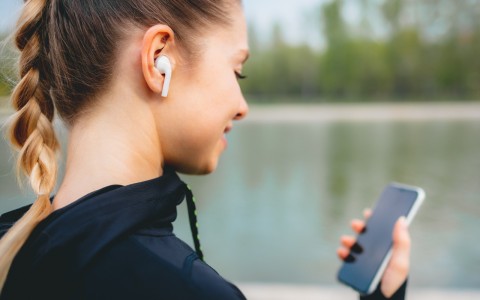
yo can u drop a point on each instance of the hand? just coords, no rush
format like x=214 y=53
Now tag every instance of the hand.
x=397 y=270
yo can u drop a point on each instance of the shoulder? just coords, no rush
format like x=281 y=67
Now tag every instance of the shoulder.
x=163 y=268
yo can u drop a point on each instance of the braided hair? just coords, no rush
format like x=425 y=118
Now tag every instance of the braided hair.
x=31 y=130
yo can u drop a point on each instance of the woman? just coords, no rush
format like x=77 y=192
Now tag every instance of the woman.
x=146 y=88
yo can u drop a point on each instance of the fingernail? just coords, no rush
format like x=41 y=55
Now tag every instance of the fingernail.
x=349 y=259
x=403 y=221
x=356 y=248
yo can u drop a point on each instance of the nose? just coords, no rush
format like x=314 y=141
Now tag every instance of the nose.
x=242 y=110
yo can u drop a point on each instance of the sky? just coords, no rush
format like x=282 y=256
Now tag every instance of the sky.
x=8 y=12
x=295 y=16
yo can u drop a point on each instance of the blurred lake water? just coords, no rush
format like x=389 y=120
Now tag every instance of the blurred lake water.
x=284 y=192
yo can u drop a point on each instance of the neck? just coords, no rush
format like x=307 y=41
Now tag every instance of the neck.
x=117 y=144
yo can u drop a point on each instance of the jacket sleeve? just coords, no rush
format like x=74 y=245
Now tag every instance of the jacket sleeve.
x=377 y=295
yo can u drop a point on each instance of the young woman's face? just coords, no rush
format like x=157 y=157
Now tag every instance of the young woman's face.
x=204 y=100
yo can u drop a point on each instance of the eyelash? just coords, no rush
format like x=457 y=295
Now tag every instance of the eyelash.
x=240 y=76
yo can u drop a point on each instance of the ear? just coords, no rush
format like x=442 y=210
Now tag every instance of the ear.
x=158 y=40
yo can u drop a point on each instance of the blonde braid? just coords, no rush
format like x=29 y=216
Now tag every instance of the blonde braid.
x=31 y=131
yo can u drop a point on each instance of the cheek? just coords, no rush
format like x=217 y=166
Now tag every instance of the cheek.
x=196 y=150
x=218 y=85
x=199 y=135
x=196 y=136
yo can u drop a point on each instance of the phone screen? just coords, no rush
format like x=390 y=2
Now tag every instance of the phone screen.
x=375 y=242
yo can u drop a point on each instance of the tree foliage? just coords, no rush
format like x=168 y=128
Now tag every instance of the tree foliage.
x=427 y=50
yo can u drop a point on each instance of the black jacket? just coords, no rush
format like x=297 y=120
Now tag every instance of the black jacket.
x=115 y=243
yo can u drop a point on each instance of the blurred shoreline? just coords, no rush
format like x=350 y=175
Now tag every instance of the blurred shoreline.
x=368 y=112
x=355 y=112
x=271 y=291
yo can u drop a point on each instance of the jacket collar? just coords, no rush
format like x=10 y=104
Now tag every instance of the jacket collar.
x=70 y=237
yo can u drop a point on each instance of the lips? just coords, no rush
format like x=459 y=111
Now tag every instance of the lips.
x=224 y=137
x=227 y=129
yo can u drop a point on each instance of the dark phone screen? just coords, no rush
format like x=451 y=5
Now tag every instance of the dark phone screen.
x=376 y=240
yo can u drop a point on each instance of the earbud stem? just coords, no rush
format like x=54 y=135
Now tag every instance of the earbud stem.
x=166 y=84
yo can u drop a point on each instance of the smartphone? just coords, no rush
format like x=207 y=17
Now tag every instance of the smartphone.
x=369 y=257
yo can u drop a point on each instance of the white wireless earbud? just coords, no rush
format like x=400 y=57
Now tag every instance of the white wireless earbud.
x=163 y=65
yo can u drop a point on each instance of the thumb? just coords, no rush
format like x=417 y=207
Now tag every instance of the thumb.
x=399 y=265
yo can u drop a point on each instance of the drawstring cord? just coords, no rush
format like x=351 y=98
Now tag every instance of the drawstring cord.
x=192 y=216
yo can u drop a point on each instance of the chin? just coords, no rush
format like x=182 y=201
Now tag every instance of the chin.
x=210 y=168
x=205 y=169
